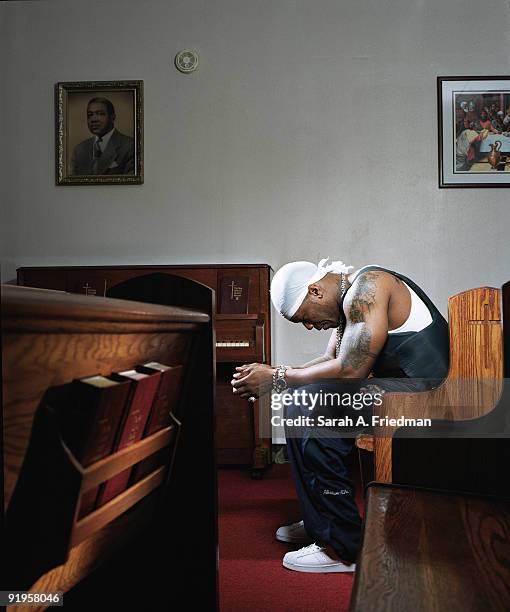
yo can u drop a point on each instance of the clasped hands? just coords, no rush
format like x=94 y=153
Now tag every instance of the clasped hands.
x=252 y=380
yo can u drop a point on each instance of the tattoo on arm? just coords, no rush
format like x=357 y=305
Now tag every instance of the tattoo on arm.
x=364 y=297
x=357 y=351
x=356 y=345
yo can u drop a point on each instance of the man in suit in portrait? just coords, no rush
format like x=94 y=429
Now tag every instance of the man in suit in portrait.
x=108 y=151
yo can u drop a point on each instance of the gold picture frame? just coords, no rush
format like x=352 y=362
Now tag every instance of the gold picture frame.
x=99 y=133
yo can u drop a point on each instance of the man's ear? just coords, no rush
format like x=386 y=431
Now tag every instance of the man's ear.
x=316 y=291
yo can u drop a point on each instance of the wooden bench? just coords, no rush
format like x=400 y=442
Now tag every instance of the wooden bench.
x=437 y=549
x=472 y=388
x=51 y=338
x=426 y=550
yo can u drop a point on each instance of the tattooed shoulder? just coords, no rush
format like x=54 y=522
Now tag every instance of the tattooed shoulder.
x=363 y=298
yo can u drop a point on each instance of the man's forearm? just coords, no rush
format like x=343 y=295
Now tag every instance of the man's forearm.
x=313 y=362
x=330 y=368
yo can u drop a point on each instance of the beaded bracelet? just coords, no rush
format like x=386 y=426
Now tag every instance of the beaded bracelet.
x=279 y=382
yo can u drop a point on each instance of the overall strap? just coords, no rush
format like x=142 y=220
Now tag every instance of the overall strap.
x=417 y=289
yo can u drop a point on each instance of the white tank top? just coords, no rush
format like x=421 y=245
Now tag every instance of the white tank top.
x=419 y=317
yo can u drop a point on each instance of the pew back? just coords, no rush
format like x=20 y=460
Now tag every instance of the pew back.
x=436 y=549
x=51 y=338
x=474 y=381
x=426 y=550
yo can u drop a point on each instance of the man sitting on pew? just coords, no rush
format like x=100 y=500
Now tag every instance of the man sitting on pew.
x=388 y=336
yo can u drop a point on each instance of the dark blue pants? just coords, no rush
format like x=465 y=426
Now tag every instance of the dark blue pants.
x=318 y=459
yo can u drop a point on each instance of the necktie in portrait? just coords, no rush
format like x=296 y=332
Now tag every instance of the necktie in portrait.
x=96 y=155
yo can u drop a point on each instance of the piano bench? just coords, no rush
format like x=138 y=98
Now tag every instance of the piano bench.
x=432 y=550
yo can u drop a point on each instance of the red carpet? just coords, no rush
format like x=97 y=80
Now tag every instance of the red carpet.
x=252 y=578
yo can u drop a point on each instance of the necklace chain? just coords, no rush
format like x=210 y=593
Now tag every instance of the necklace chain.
x=340 y=328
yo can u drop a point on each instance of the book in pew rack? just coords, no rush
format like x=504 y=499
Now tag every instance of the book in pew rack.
x=143 y=391
x=90 y=423
x=165 y=403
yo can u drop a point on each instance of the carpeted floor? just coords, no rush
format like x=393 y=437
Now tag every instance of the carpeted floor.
x=252 y=578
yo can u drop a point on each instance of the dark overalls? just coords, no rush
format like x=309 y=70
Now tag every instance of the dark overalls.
x=409 y=361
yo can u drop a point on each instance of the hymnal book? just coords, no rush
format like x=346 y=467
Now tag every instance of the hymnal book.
x=166 y=400
x=91 y=422
x=234 y=294
x=143 y=392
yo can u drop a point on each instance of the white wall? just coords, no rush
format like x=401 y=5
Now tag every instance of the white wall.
x=309 y=130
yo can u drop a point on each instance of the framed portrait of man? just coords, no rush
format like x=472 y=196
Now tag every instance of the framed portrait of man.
x=99 y=137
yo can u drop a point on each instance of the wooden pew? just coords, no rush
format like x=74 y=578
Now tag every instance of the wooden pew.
x=473 y=385
x=436 y=549
x=426 y=550
x=51 y=338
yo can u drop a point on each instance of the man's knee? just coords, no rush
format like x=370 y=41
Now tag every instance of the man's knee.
x=327 y=456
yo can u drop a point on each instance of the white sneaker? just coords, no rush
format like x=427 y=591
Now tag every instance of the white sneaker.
x=314 y=559
x=295 y=534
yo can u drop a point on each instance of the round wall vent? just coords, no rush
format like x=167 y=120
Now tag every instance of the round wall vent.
x=186 y=61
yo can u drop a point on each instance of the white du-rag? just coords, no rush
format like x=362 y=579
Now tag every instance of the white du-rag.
x=290 y=284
